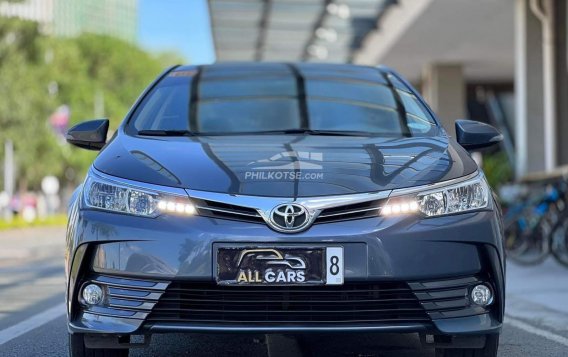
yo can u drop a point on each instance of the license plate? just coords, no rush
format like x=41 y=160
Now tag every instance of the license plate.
x=280 y=266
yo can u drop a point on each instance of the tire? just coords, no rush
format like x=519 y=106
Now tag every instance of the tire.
x=77 y=349
x=490 y=349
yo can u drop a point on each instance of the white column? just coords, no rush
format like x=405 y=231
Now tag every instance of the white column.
x=543 y=10
x=443 y=87
x=529 y=123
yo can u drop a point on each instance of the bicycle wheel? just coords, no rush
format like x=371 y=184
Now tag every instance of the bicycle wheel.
x=559 y=244
x=532 y=247
x=515 y=241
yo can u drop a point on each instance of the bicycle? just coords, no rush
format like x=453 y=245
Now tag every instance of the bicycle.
x=528 y=226
x=536 y=220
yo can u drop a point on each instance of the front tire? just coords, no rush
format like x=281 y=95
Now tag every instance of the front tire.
x=77 y=348
x=490 y=349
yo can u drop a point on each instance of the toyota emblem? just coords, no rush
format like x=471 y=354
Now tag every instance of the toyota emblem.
x=289 y=217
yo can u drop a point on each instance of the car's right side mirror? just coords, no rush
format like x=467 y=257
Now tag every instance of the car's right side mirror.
x=90 y=135
x=476 y=135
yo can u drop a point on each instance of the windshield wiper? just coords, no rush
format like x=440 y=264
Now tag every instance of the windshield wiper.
x=266 y=132
x=166 y=133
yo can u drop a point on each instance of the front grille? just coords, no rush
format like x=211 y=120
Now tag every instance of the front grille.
x=222 y=210
x=352 y=211
x=353 y=303
x=202 y=303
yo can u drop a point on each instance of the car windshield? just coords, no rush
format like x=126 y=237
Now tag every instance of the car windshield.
x=221 y=100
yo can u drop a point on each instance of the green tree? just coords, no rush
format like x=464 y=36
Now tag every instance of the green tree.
x=92 y=66
x=24 y=103
x=39 y=73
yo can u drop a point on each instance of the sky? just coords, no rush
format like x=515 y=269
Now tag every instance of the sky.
x=181 y=26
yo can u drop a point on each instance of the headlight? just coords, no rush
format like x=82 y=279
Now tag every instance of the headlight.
x=455 y=198
x=122 y=198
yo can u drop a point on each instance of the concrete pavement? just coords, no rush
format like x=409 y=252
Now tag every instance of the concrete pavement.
x=31 y=273
x=539 y=295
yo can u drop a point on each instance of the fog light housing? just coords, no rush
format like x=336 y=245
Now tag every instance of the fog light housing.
x=481 y=295
x=93 y=294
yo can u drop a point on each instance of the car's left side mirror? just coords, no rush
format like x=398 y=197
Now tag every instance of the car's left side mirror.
x=476 y=135
x=90 y=135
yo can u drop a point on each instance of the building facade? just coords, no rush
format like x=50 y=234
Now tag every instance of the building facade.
x=40 y=11
x=68 y=18
x=515 y=47
x=117 y=18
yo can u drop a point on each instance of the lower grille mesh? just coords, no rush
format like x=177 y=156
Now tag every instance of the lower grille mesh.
x=350 y=303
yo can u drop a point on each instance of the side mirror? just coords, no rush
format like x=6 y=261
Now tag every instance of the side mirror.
x=475 y=135
x=90 y=135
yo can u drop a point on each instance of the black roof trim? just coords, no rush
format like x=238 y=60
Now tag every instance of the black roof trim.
x=301 y=90
x=194 y=99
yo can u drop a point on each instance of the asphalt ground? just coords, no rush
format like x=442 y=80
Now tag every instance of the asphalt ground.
x=32 y=321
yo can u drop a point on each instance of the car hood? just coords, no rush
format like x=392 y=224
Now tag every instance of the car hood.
x=285 y=165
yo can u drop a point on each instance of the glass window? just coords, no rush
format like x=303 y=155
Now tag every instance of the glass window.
x=260 y=87
x=345 y=116
x=259 y=114
x=418 y=125
x=397 y=83
x=339 y=72
x=240 y=70
x=418 y=117
x=352 y=106
x=166 y=108
x=413 y=106
x=271 y=103
x=353 y=91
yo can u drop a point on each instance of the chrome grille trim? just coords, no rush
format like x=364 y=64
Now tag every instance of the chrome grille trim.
x=125 y=295
x=228 y=211
x=223 y=210
x=315 y=206
x=144 y=306
x=448 y=298
x=126 y=298
x=349 y=212
x=158 y=286
x=263 y=204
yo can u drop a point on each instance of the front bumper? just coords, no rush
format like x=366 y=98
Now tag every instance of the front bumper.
x=144 y=306
x=437 y=259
